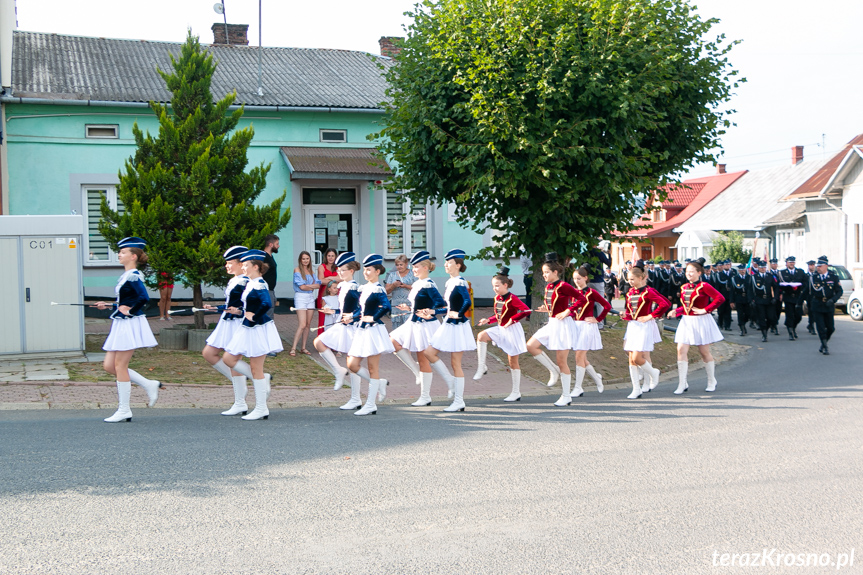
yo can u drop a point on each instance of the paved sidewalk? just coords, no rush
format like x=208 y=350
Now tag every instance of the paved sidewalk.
x=43 y=385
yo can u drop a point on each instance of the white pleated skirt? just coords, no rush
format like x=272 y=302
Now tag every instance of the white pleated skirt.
x=454 y=337
x=697 y=330
x=640 y=336
x=657 y=337
x=129 y=334
x=224 y=332
x=589 y=338
x=509 y=339
x=339 y=337
x=557 y=334
x=415 y=335
x=371 y=340
x=255 y=341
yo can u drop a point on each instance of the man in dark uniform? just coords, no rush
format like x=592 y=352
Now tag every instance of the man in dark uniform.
x=763 y=293
x=774 y=271
x=738 y=293
x=663 y=280
x=677 y=280
x=610 y=281
x=751 y=271
x=623 y=282
x=651 y=275
x=826 y=290
x=792 y=295
x=810 y=323
x=724 y=311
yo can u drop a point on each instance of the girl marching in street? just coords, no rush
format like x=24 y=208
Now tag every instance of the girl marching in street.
x=508 y=334
x=258 y=335
x=644 y=306
x=587 y=330
x=416 y=333
x=559 y=334
x=371 y=338
x=341 y=335
x=455 y=335
x=697 y=327
x=129 y=328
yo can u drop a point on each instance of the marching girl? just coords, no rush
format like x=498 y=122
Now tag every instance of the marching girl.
x=258 y=335
x=129 y=328
x=558 y=335
x=341 y=335
x=228 y=325
x=508 y=334
x=697 y=327
x=641 y=331
x=455 y=335
x=415 y=335
x=587 y=330
x=371 y=339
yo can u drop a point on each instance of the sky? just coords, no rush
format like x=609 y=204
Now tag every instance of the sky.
x=802 y=60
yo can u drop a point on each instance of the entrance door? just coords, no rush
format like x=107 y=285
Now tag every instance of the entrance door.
x=330 y=227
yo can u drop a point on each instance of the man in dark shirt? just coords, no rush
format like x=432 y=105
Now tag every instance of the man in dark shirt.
x=271 y=246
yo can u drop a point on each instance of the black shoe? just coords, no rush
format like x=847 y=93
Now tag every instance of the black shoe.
x=826 y=351
x=744 y=330
x=821 y=349
x=790 y=334
x=812 y=331
x=794 y=332
x=742 y=333
x=764 y=337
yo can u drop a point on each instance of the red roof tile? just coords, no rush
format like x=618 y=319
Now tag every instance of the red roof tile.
x=681 y=195
x=813 y=186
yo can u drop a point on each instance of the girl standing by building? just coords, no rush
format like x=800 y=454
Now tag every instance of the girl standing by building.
x=558 y=335
x=305 y=289
x=644 y=306
x=508 y=334
x=587 y=330
x=129 y=328
x=697 y=327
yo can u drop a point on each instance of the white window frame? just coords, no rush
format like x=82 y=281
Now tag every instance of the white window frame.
x=88 y=135
x=344 y=133
x=111 y=194
x=407 y=237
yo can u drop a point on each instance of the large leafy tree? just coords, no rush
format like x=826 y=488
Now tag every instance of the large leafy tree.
x=729 y=246
x=186 y=190
x=546 y=119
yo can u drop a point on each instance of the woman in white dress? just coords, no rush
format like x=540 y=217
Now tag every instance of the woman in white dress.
x=371 y=338
x=341 y=335
x=455 y=335
x=258 y=335
x=129 y=328
x=587 y=330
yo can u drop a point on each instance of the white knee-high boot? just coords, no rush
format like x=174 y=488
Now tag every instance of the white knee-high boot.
x=516 y=386
x=440 y=367
x=577 y=390
x=223 y=369
x=710 y=366
x=355 y=402
x=425 y=390
x=124 y=393
x=682 y=370
x=458 y=400
x=636 y=388
x=245 y=369
x=260 y=411
x=553 y=370
x=151 y=386
x=481 y=352
x=240 y=391
x=405 y=357
x=651 y=376
x=597 y=378
x=370 y=408
x=564 y=399
x=338 y=371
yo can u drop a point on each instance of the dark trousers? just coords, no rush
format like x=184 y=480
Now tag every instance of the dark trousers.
x=724 y=312
x=793 y=314
x=777 y=312
x=528 y=287
x=810 y=322
x=765 y=315
x=823 y=323
x=742 y=314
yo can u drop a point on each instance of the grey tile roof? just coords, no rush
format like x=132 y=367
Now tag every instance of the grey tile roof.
x=336 y=161
x=750 y=201
x=104 y=69
x=789 y=215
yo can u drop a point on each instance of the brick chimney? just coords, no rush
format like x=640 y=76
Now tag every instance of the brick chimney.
x=390 y=45
x=720 y=168
x=238 y=34
x=796 y=155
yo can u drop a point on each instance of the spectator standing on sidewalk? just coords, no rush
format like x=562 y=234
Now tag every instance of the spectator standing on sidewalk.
x=271 y=246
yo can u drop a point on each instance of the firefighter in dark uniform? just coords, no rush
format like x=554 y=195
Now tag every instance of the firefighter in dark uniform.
x=663 y=280
x=724 y=311
x=610 y=281
x=810 y=322
x=623 y=281
x=774 y=271
x=793 y=295
x=677 y=281
x=763 y=293
x=651 y=276
x=826 y=290
x=738 y=292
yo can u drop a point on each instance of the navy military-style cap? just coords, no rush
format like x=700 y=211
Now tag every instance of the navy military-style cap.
x=810 y=262
x=234 y=253
x=762 y=264
x=741 y=266
x=345 y=258
x=454 y=254
x=790 y=259
x=131 y=242
x=822 y=260
x=253 y=255
x=373 y=260
x=774 y=261
x=420 y=256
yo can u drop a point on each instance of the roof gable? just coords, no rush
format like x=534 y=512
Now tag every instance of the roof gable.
x=816 y=184
x=112 y=70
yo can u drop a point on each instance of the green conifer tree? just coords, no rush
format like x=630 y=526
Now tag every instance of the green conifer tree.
x=186 y=190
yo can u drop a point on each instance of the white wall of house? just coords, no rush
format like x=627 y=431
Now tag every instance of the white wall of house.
x=825 y=231
x=852 y=205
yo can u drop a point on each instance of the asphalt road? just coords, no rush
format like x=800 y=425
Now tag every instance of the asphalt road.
x=772 y=461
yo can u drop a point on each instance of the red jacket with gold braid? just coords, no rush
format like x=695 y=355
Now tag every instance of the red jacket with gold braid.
x=640 y=301
x=588 y=308
x=508 y=309
x=698 y=295
x=560 y=296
